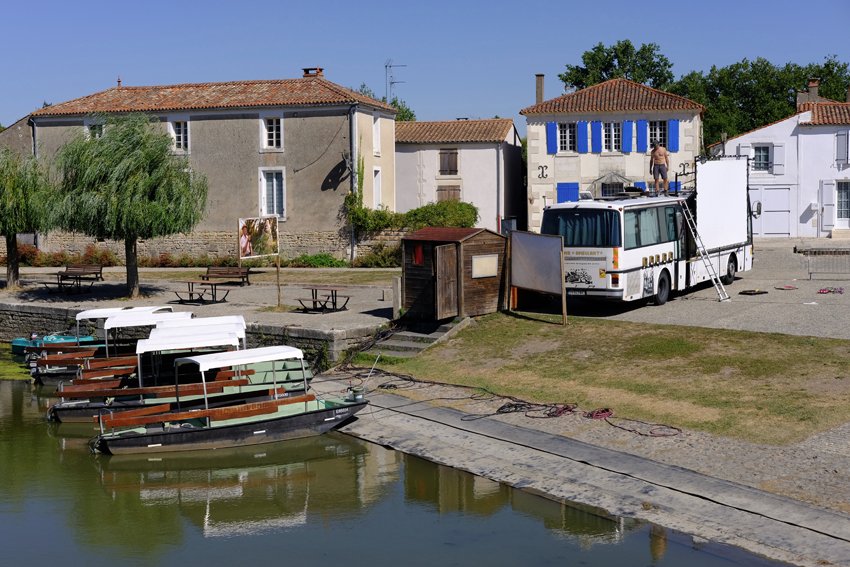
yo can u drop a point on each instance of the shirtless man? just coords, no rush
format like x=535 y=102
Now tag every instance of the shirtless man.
x=659 y=161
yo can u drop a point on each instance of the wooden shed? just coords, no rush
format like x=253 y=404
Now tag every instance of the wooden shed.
x=451 y=272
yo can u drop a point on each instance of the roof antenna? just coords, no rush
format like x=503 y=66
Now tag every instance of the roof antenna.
x=119 y=81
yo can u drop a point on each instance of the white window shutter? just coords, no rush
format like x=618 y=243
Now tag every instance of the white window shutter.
x=841 y=147
x=778 y=159
x=827 y=199
x=745 y=150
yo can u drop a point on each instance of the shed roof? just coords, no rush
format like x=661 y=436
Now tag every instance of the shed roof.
x=453 y=131
x=443 y=234
x=614 y=95
x=306 y=91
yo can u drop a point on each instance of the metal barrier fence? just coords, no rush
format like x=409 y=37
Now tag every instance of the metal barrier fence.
x=828 y=262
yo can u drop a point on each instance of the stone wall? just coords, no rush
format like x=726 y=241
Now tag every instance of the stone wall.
x=385 y=237
x=197 y=244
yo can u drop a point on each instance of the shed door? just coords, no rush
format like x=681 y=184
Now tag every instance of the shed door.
x=446 y=284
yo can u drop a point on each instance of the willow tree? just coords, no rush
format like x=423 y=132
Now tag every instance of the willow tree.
x=23 y=194
x=125 y=185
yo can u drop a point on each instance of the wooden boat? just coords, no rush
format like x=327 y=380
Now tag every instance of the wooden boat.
x=20 y=345
x=158 y=429
x=85 y=399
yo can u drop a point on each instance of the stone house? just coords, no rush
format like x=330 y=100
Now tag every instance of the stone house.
x=475 y=161
x=599 y=139
x=287 y=148
x=800 y=169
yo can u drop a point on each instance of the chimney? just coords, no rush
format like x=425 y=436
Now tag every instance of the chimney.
x=539 y=94
x=313 y=72
x=813 y=88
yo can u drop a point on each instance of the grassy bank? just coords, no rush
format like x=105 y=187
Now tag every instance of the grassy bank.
x=765 y=388
x=10 y=368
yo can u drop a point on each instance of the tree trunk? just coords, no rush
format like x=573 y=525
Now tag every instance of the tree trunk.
x=12 y=262
x=132 y=262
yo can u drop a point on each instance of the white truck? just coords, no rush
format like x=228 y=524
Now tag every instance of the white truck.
x=633 y=248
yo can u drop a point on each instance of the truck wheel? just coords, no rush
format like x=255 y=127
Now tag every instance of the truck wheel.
x=731 y=269
x=663 y=292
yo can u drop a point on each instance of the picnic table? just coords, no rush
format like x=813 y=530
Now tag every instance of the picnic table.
x=71 y=278
x=323 y=299
x=201 y=291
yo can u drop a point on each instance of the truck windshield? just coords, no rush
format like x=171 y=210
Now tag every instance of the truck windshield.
x=597 y=228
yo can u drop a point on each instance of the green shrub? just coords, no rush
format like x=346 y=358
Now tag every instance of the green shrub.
x=323 y=260
x=445 y=213
x=381 y=256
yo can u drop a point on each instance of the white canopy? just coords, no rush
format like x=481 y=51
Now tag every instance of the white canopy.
x=106 y=312
x=240 y=357
x=189 y=330
x=197 y=340
x=142 y=319
x=199 y=321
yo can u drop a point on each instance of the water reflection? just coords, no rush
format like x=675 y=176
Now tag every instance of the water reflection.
x=217 y=506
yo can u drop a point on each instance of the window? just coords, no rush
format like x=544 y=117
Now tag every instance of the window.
x=448 y=193
x=567 y=137
x=448 y=162
x=376 y=135
x=593 y=228
x=273 y=193
x=842 y=206
x=611 y=189
x=95 y=130
x=180 y=135
x=658 y=132
x=274 y=138
x=376 y=186
x=646 y=227
x=612 y=137
x=761 y=158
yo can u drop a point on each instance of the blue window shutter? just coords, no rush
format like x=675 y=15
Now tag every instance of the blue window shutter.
x=673 y=135
x=627 y=136
x=551 y=137
x=581 y=136
x=596 y=137
x=642 y=133
x=567 y=192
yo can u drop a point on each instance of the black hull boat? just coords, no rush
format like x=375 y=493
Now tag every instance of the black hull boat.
x=164 y=428
x=323 y=416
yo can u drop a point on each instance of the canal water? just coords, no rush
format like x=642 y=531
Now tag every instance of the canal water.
x=330 y=500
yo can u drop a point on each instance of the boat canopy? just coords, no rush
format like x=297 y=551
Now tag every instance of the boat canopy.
x=106 y=312
x=177 y=332
x=241 y=357
x=199 y=321
x=142 y=319
x=198 y=340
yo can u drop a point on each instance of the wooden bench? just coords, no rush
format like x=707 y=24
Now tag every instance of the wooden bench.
x=228 y=273
x=73 y=276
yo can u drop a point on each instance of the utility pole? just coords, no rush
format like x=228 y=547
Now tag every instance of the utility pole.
x=389 y=79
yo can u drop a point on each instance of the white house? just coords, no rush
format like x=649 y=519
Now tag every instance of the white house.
x=599 y=139
x=799 y=172
x=475 y=161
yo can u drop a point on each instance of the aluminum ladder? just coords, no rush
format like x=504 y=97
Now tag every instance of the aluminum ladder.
x=715 y=279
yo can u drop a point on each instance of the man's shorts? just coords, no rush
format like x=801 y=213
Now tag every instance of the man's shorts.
x=659 y=170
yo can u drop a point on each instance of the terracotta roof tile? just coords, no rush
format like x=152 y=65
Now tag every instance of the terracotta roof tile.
x=443 y=234
x=308 y=91
x=453 y=131
x=824 y=113
x=615 y=95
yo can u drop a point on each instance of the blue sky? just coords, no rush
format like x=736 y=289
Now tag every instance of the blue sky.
x=462 y=59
